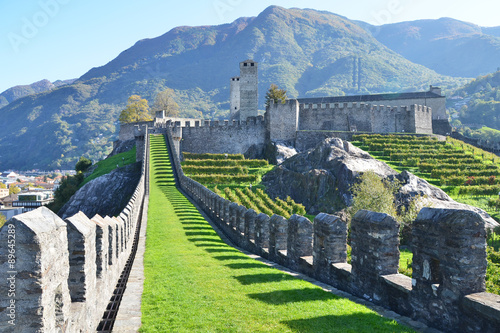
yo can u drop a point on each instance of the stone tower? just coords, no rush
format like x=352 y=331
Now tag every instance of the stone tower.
x=235 y=96
x=248 y=90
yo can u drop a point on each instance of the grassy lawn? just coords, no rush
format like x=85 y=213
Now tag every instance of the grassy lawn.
x=106 y=166
x=194 y=282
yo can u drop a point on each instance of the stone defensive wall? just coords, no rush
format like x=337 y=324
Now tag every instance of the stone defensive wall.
x=446 y=291
x=285 y=119
x=231 y=137
x=59 y=275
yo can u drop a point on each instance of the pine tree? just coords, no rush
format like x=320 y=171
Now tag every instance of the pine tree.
x=275 y=94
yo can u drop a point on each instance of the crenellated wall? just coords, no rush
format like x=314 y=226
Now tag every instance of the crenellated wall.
x=285 y=119
x=59 y=275
x=233 y=137
x=446 y=291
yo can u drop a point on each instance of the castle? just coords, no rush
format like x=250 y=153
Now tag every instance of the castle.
x=244 y=92
x=303 y=122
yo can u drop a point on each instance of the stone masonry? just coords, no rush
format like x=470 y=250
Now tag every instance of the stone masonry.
x=447 y=287
x=59 y=275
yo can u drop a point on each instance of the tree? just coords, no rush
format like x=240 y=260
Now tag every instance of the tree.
x=165 y=101
x=373 y=194
x=83 y=164
x=2 y=185
x=14 y=190
x=137 y=110
x=275 y=94
x=3 y=219
x=377 y=195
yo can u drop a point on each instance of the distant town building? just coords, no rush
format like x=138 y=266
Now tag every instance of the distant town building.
x=32 y=200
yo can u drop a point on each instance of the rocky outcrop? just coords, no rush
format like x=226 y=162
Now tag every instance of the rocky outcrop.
x=106 y=195
x=284 y=152
x=121 y=146
x=321 y=179
x=413 y=186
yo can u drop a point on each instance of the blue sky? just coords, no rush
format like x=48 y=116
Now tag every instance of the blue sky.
x=63 y=39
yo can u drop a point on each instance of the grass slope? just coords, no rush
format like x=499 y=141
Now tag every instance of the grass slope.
x=194 y=282
x=109 y=164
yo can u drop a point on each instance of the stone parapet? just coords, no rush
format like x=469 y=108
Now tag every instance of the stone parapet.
x=447 y=287
x=58 y=276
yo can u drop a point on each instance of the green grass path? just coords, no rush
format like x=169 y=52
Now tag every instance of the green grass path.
x=194 y=282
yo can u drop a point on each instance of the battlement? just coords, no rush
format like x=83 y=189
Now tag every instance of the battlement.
x=353 y=106
x=285 y=119
x=65 y=271
x=207 y=123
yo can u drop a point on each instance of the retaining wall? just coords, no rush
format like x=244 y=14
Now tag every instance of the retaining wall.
x=59 y=275
x=446 y=291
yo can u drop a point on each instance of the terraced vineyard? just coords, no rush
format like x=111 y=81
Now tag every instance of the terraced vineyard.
x=239 y=178
x=468 y=174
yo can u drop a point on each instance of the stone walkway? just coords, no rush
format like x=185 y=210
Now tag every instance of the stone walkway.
x=128 y=319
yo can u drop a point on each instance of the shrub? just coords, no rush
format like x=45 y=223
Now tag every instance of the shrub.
x=83 y=164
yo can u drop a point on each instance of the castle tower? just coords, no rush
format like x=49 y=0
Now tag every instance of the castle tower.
x=235 y=95
x=248 y=89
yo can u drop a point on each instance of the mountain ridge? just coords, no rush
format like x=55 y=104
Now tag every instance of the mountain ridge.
x=436 y=44
x=309 y=53
x=19 y=91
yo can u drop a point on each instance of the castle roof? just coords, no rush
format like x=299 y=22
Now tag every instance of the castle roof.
x=370 y=98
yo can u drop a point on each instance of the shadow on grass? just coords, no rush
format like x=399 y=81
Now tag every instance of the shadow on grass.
x=185 y=210
x=246 y=265
x=201 y=239
x=262 y=278
x=200 y=233
x=291 y=296
x=198 y=228
x=242 y=257
x=210 y=245
x=222 y=250
x=191 y=222
x=345 y=323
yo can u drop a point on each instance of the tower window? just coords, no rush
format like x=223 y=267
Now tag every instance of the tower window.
x=252 y=64
x=245 y=64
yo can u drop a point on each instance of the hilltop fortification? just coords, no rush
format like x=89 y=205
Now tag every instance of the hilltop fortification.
x=303 y=122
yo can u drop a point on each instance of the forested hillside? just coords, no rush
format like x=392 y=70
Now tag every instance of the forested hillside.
x=306 y=52
x=478 y=102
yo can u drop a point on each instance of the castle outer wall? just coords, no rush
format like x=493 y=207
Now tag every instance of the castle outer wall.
x=223 y=137
x=286 y=120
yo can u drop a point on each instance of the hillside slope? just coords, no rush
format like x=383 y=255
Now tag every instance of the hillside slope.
x=307 y=52
x=478 y=102
x=447 y=46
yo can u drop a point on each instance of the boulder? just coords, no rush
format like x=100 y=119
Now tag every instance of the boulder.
x=321 y=178
x=105 y=195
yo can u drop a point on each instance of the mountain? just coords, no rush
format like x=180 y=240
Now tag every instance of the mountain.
x=447 y=46
x=309 y=53
x=11 y=94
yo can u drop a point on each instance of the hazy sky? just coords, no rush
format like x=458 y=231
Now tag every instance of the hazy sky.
x=63 y=39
